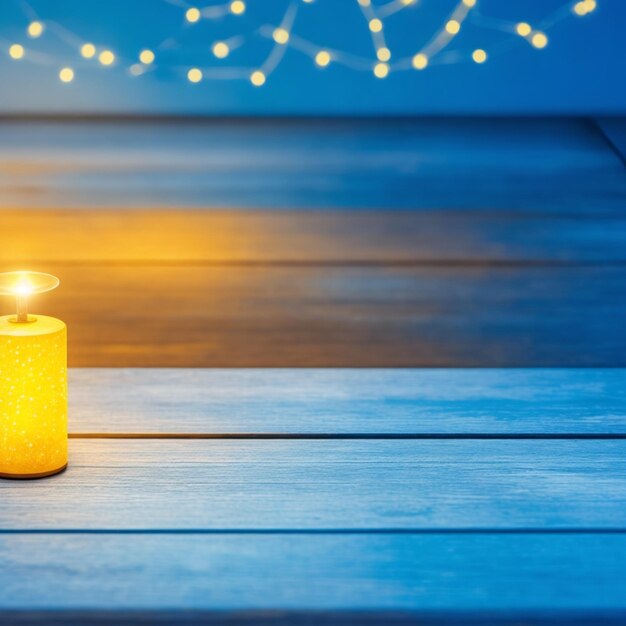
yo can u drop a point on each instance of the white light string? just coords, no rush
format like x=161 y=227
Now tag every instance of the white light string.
x=84 y=53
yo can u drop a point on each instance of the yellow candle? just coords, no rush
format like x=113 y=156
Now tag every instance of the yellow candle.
x=33 y=384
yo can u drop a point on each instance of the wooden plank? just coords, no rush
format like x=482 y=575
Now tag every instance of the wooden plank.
x=161 y=316
x=310 y=618
x=332 y=401
x=302 y=484
x=565 y=579
x=554 y=165
x=100 y=236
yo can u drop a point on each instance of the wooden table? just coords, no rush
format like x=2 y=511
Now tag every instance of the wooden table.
x=294 y=496
x=322 y=243
x=327 y=496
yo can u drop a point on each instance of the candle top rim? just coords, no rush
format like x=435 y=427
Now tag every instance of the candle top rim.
x=37 y=325
x=25 y=283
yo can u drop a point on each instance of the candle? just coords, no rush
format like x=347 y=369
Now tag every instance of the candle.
x=33 y=383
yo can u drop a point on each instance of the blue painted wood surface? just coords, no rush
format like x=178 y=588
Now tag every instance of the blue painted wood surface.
x=552 y=165
x=457 y=530
x=324 y=243
x=328 y=316
x=294 y=531
x=375 y=402
x=326 y=484
x=451 y=575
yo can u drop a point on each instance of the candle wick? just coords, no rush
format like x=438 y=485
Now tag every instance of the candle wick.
x=21 y=301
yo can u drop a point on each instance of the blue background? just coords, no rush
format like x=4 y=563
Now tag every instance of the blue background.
x=581 y=70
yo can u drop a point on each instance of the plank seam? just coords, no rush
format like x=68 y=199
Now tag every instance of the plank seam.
x=316 y=531
x=347 y=263
x=351 y=436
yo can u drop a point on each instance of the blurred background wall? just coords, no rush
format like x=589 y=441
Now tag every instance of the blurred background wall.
x=581 y=70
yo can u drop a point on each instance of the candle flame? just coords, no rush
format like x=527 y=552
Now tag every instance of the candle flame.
x=23 y=289
x=24 y=283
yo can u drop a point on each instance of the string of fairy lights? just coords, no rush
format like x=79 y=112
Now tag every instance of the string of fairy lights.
x=435 y=51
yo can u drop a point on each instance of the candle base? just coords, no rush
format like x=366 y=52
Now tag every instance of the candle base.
x=33 y=476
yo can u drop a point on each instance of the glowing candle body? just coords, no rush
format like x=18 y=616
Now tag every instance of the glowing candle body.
x=33 y=396
x=33 y=383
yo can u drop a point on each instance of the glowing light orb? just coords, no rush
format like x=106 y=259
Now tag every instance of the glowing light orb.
x=106 y=57
x=453 y=27
x=194 y=75
x=237 y=7
x=66 y=75
x=193 y=15
x=383 y=54
x=280 y=35
x=88 y=51
x=584 y=7
x=35 y=29
x=420 y=61
x=220 y=49
x=479 y=56
x=381 y=70
x=257 y=78
x=146 y=57
x=16 y=51
x=322 y=58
